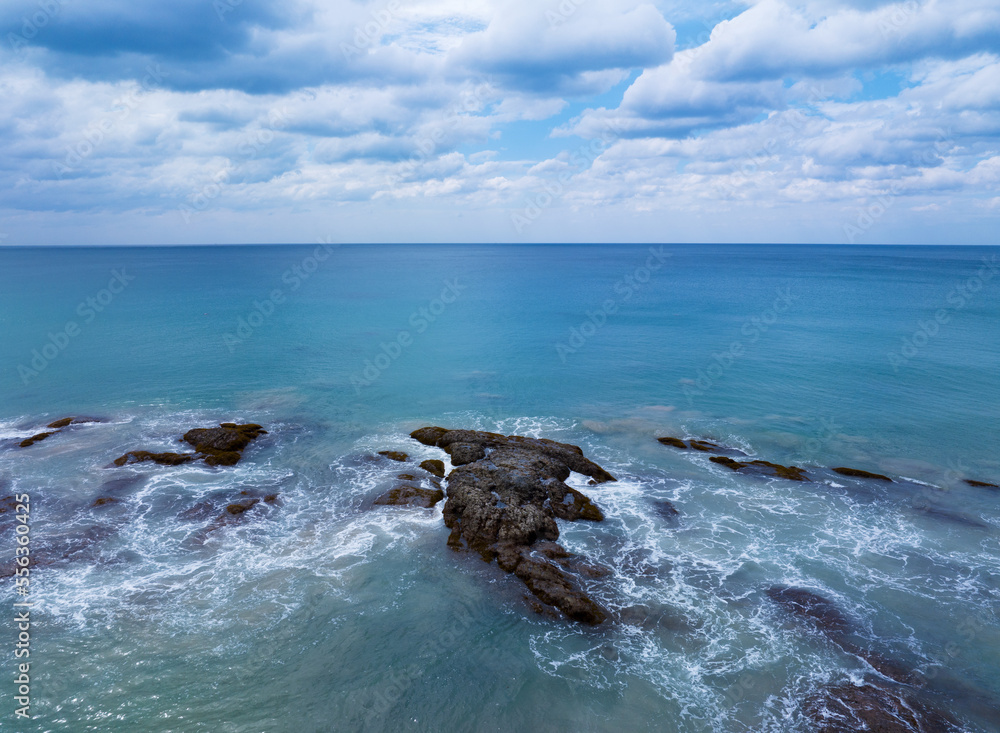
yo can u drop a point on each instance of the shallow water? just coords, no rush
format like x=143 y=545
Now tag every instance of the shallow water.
x=319 y=613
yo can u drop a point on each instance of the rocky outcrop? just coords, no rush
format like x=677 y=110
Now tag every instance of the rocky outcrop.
x=394 y=455
x=858 y=473
x=705 y=446
x=503 y=499
x=221 y=446
x=762 y=468
x=983 y=484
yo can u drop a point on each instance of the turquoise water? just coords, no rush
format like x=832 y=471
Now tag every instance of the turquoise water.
x=321 y=614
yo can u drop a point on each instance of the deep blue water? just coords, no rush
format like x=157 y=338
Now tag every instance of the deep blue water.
x=883 y=358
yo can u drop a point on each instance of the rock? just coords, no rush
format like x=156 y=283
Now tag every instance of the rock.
x=858 y=473
x=706 y=446
x=433 y=466
x=762 y=468
x=64 y=422
x=464 y=453
x=675 y=442
x=570 y=455
x=105 y=500
x=394 y=455
x=666 y=510
x=164 y=459
x=407 y=477
x=947 y=515
x=223 y=446
x=983 y=484
x=872 y=707
x=503 y=499
x=239 y=507
x=35 y=439
x=820 y=611
x=410 y=496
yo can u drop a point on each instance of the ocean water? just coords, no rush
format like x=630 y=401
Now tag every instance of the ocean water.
x=319 y=613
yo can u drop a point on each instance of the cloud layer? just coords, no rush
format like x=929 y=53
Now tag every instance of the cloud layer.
x=500 y=120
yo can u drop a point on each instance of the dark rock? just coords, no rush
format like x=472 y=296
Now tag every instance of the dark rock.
x=433 y=466
x=570 y=455
x=35 y=439
x=164 y=459
x=872 y=707
x=762 y=468
x=705 y=446
x=666 y=510
x=270 y=498
x=820 y=611
x=60 y=423
x=858 y=473
x=983 y=484
x=675 y=442
x=410 y=496
x=503 y=499
x=394 y=455
x=105 y=500
x=407 y=477
x=464 y=453
x=242 y=506
x=223 y=446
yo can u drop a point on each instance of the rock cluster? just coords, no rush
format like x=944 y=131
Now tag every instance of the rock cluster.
x=504 y=495
x=221 y=446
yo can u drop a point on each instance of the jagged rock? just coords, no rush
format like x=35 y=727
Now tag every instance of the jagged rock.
x=164 y=459
x=433 y=466
x=675 y=442
x=858 y=473
x=983 y=484
x=763 y=468
x=503 y=499
x=35 y=439
x=410 y=496
x=394 y=455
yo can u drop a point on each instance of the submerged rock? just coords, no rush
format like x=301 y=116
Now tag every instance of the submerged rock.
x=858 y=473
x=503 y=499
x=164 y=459
x=666 y=510
x=394 y=455
x=762 y=468
x=873 y=707
x=66 y=421
x=410 y=496
x=705 y=446
x=675 y=442
x=820 y=611
x=983 y=484
x=27 y=442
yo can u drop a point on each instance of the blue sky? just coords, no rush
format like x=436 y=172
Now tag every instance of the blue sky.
x=230 y=121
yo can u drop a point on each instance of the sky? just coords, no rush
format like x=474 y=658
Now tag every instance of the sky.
x=246 y=121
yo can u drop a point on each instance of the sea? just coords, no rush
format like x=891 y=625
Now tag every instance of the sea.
x=318 y=611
